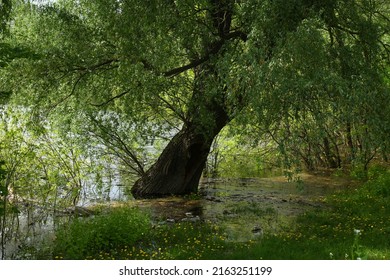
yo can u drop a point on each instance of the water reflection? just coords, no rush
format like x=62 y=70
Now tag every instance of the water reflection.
x=243 y=207
x=31 y=223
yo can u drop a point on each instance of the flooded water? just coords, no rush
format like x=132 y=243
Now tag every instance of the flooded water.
x=247 y=207
x=31 y=224
x=244 y=208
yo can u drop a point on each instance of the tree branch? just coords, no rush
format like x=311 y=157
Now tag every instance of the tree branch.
x=170 y=73
x=111 y=99
x=193 y=64
x=96 y=66
x=119 y=144
x=214 y=50
x=82 y=75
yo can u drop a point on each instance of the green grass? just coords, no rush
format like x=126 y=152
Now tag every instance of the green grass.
x=354 y=224
x=180 y=241
x=86 y=238
x=128 y=233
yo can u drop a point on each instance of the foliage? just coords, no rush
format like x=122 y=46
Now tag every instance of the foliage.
x=378 y=185
x=96 y=85
x=317 y=87
x=307 y=74
x=47 y=166
x=5 y=11
x=235 y=155
x=3 y=188
x=107 y=232
x=127 y=233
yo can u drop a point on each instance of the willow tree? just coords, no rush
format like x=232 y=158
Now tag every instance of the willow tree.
x=200 y=64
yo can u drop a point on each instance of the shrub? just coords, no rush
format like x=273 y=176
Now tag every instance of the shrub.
x=380 y=184
x=376 y=171
x=359 y=172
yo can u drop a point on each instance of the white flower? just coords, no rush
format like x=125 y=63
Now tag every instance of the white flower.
x=331 y=255
x=357 y=231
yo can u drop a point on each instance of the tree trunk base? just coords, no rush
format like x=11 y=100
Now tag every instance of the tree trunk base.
x=178 y=169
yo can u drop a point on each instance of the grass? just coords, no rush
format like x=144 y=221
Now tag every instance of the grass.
x=354 y=225
x=331 y=233
x=87 y=238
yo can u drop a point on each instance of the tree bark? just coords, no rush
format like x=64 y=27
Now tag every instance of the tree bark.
x=329 y=155
x=180 y=165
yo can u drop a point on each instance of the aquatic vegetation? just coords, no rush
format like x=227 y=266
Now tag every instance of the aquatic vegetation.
x=352 y=224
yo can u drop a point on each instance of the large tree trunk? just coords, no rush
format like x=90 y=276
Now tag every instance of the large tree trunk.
x=179 y=167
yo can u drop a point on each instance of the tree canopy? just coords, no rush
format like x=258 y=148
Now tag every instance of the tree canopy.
x=312 y=75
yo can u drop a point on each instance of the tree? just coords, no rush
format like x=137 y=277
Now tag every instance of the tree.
x=5 y=10
x=198 y=64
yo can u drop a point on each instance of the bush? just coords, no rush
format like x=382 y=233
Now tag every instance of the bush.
x=376 y=171
x=358 y=172
x=87 y=238
x=380 y=184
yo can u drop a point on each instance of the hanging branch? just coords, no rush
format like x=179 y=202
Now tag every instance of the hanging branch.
x=111 y=99
x=138 y=168
x=215 y=48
